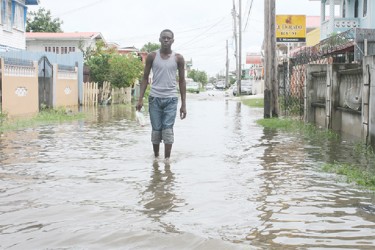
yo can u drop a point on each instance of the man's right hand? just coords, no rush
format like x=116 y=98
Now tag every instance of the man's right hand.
x=139 y=105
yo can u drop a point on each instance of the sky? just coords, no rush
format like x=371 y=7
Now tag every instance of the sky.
x=201 y=27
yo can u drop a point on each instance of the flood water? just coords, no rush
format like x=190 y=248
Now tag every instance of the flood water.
x=230 y=184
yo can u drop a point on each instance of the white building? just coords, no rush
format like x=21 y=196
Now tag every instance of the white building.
x=62 y=43
x=13 y=23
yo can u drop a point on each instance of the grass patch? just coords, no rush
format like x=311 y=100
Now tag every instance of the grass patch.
x=43 y=117
x=291 y=125
x=255 y=103
x=352 y=173
x=362 y=174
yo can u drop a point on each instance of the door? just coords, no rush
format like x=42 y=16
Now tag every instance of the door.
x=45 y=82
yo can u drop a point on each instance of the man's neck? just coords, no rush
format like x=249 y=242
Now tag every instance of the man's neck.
x=166 y=51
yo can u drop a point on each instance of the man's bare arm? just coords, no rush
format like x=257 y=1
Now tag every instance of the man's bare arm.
x=182 y=84
x=149 y=59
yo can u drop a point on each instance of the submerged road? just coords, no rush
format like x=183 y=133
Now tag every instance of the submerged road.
x=230 y=184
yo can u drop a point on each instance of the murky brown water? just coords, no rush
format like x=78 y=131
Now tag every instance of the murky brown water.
x=230 y=185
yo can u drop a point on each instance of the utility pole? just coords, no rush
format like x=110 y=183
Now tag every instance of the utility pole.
x=267 y=64
x=274 y=83
x=227 y=68
x=239 y=47
x=235 y=41
x=271 y=88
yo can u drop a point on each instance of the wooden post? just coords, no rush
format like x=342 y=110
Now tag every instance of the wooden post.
x=267 y=64
x=274 y=83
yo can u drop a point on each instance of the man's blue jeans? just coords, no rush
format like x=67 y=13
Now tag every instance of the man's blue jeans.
x=162 y=115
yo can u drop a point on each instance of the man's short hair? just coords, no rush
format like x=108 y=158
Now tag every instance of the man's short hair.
x=167 y=30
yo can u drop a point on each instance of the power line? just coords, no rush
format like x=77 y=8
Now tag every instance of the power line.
x=80 y=8
x=248 y=14
x=204 y=31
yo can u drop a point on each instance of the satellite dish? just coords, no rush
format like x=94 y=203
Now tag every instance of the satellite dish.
x=353 y=98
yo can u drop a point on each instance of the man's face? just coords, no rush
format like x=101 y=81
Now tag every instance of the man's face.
x=166 y=39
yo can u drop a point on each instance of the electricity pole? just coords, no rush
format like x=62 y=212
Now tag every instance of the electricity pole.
x=227 y=68
x=269 y=44
x=274 y=82
x=236 y=43
x=239 y=47
x=267 y=85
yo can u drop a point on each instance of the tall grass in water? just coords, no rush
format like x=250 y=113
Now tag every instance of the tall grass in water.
x=43 y=117
x=362 y=174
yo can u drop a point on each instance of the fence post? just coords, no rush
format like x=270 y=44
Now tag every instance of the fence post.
x=368 y=130
x=331 y=78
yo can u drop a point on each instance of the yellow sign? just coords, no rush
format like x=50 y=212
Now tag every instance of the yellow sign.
x=290 y=28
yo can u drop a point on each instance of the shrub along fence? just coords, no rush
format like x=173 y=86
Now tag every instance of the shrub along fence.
x=94 y=95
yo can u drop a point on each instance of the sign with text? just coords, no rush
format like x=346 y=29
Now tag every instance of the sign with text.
x=291 y=28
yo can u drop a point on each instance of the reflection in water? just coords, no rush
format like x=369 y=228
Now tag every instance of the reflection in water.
x=90 y=185
x=298 y=208
x=159 y=198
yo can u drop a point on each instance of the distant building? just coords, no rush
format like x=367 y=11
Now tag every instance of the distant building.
x=338 y=16
x=62 y=42
x=133 y=50
x=13 y=24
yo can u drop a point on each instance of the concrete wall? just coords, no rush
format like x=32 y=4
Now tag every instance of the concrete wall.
x=66 y=88
x=70 y=59
x=368 y=93
x=344 y=104
x=19 y=89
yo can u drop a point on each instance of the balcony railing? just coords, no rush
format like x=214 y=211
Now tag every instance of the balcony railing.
x=340 y=25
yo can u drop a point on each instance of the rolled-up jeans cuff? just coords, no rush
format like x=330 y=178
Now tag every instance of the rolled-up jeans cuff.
x=156 y=137
x=168 y=136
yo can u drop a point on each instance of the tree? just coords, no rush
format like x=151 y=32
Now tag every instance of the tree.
x=107 y=65
x=198 y=76
x=124 y=70
x=149 y=47
x=41 y=21
x=99 y=68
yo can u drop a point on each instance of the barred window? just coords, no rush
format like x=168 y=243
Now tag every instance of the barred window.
x=19 y=16
x=364 y=8
x=7 y=18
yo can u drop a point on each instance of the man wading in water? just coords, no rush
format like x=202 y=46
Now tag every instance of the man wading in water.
x=163 y=97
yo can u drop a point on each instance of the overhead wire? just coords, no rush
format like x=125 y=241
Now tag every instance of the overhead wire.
x=214 y=25
x=80 y=8
x=248 y=14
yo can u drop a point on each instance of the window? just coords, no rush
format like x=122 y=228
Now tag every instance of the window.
x=2 y=10
x=344 y=9
x=7 y=18
x=57 y=50
x=364 y=8
x=356 y=9
x=19 y=16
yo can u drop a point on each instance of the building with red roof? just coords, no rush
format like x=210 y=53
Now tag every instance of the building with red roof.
x=62 y=42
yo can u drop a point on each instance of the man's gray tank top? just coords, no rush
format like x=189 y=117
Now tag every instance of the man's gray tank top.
x=164 y=76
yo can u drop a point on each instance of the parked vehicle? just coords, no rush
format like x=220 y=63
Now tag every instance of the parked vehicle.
x=220 y=85
x=209 y=86
x=246 y=87
x=192 y=87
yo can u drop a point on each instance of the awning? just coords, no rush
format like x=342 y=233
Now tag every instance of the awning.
x=254 y=59
x=32 y=2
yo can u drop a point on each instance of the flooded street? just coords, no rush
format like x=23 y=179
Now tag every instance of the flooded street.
x=231 y=184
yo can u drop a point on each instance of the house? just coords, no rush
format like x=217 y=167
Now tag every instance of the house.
x=13 y=24
x=133 y=50
x=338 y=16
x=63 y=42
